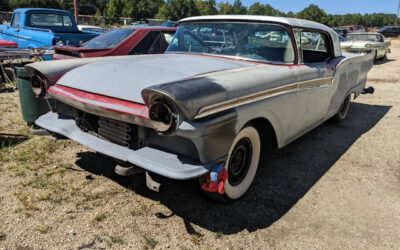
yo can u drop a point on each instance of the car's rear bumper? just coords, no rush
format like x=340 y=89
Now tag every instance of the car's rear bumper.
x=154 y=160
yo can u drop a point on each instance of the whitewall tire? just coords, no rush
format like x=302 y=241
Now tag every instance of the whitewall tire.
x=242 y=162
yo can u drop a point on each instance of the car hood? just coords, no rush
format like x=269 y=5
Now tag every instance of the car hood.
x=126 y=77
x=354 y=44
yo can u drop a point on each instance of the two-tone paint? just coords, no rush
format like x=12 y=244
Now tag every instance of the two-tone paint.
x=214 y=97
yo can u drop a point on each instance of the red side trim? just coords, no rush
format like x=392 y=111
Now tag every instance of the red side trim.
x=105 y=102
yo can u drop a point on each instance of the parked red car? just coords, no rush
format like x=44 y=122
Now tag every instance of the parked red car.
x=120 y=41
x=8 y=44
x=353 y=28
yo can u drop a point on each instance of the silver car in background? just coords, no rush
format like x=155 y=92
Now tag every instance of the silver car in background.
x=365 y=42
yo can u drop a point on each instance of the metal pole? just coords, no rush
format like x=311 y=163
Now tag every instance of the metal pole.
x=397 y=16
x=76 y=11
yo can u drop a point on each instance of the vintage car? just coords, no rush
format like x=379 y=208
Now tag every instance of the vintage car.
x=353 y=28
x=37 y=28
x=365 y=42
x=390 y=31
x=120 y=41
x=204 y=108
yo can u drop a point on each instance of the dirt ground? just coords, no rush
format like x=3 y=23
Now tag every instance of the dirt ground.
x=337 y=187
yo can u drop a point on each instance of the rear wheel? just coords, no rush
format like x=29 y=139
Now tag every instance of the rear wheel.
x=344 y=109
x=241 y=165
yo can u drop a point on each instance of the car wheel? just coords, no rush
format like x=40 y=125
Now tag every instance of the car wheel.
x=376 y=56
x=344 y=109
x=241 y=164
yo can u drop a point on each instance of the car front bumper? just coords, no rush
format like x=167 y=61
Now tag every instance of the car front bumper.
x=153 y=160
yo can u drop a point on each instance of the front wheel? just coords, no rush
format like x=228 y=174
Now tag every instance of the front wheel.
x=344 y=109
x=241 y=164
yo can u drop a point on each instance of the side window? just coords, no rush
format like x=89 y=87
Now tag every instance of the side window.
x=67 y=21
x=157 y=47
x=314 y=47
x=168 y=36
x=151 y=43
x=15 y=20
x=271 y=45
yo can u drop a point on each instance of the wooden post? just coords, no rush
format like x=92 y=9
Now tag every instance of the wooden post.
x=76 y=11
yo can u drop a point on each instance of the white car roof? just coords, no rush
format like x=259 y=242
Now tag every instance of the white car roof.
x=293 y=22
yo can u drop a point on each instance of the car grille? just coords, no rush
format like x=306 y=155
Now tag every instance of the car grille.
x=115 y=131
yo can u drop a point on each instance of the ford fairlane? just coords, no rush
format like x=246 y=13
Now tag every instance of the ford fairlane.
x=226 y=86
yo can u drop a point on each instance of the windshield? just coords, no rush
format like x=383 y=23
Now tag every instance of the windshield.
x=262 y=42
x=109 y=39
x=50 y=20
x=364 y=37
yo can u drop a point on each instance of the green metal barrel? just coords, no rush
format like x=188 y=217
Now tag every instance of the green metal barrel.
x=31 y=106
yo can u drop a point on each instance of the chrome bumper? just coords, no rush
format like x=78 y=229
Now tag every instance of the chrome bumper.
x=153 y=160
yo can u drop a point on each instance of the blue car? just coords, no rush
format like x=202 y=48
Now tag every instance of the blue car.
x=37 y=28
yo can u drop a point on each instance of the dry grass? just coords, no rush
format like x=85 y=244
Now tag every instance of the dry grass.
x=49 y=187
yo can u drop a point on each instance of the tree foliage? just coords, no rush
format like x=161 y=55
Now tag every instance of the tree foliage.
x=177 y=9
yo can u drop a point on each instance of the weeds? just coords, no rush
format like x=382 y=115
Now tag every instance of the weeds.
x=218 y=235
x=2 y=236
x=115 y=239
x=195 y=238
x=99 y=218
x=43 y=229
x=149 y=242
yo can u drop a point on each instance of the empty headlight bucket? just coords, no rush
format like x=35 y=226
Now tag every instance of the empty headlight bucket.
x=163 y=116
x=39 y=86
x=368 y=46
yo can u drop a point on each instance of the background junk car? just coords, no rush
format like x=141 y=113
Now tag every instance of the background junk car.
x=225 y=86
x=121 y=41
x=364 y=42
x=37 y=28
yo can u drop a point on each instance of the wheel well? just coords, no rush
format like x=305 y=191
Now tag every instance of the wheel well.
x=266 y=131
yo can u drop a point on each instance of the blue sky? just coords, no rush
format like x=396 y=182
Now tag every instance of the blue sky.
x=331 y=6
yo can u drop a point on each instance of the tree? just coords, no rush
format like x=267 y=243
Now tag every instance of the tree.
x=256 y=9
x=207 y=7
x=178 y=9
x=237 y=8
x=312 y=12
x=4 y=5
x=14 y=4
x=223 y=8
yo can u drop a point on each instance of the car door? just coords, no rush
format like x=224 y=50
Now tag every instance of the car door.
x=317 y=71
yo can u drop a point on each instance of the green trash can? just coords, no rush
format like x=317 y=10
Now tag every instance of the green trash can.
x=31 y=106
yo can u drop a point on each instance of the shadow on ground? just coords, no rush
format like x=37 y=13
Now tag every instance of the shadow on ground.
x=10 y=140
x=383 y=61
x=284 y=176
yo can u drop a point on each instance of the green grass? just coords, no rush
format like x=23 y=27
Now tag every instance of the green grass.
x=2 y=236
x=43 y=229
x=149 y=242
x=115 y=239
x=99 y=218
x=195 y=238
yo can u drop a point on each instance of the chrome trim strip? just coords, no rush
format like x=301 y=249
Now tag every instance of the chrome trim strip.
x=243 y=100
